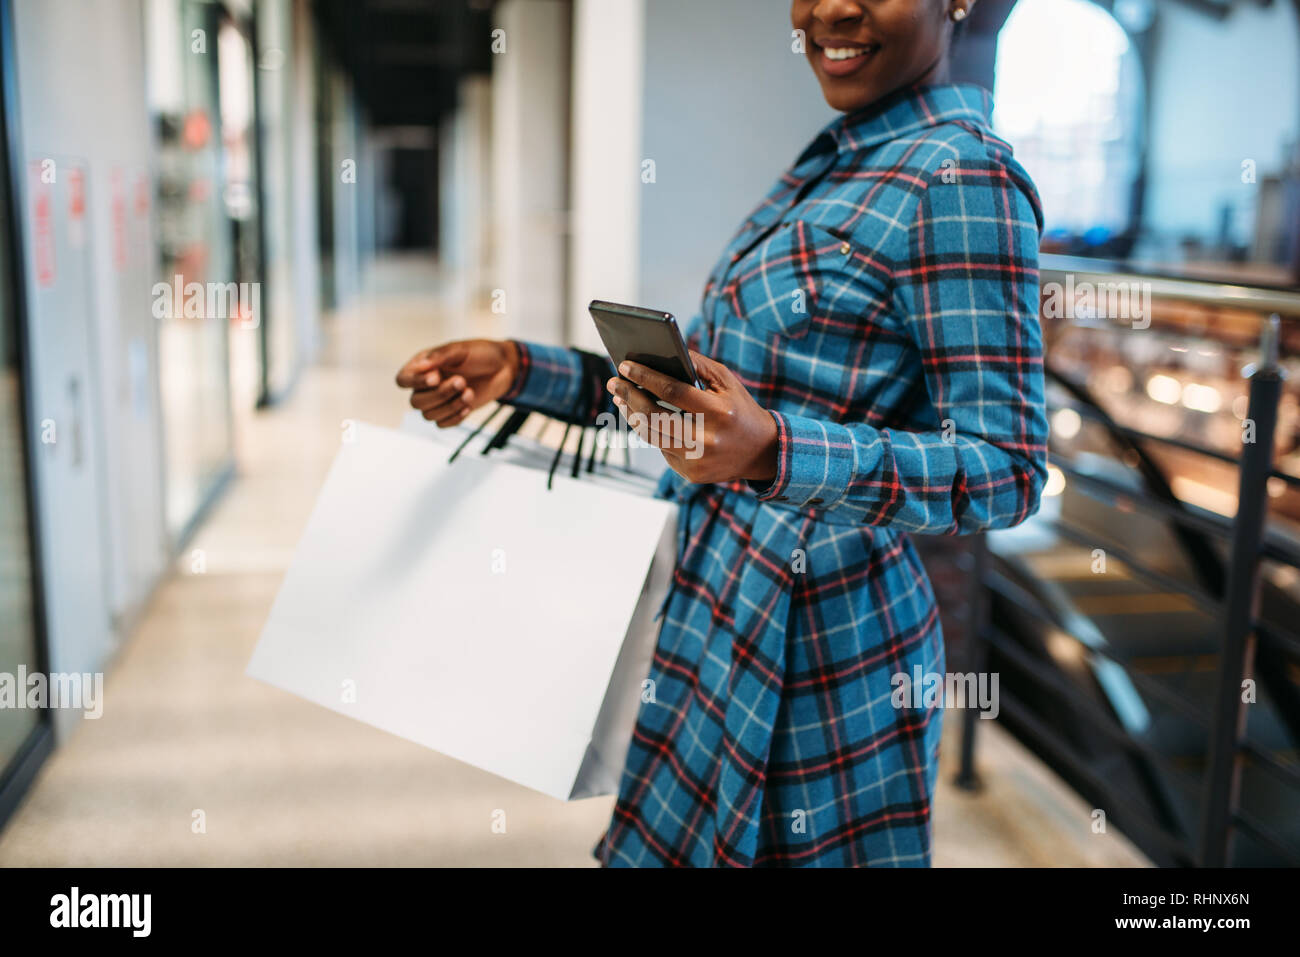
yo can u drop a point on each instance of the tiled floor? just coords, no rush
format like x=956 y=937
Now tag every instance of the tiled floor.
x=187 y=738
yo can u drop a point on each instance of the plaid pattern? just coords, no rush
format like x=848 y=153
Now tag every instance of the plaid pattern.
x=882 y=302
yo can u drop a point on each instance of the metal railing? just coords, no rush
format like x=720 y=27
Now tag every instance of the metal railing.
x=1241 y=604
x=1280 y=301
x=1229 y=591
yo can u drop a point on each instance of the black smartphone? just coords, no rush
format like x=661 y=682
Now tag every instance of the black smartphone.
x=645 y=336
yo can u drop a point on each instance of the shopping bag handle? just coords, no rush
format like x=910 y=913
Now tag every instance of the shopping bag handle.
x=479 y=428
x=511 y=426
x=583 y=415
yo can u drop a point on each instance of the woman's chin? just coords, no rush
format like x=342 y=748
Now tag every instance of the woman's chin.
x=845 y=100
x=845 y=94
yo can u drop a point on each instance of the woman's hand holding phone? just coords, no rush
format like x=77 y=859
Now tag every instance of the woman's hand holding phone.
x=450 y=381
x=724 y=435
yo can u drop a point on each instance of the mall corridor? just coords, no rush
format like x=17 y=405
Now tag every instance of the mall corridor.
x=1033 y=308
x=279 y=780
x=282 y=781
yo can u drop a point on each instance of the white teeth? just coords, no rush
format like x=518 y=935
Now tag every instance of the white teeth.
x=845 y=53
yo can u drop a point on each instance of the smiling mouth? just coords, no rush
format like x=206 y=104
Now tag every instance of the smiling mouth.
x=840 y=61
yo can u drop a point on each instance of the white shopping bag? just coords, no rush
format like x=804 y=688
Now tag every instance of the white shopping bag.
x=468 y=608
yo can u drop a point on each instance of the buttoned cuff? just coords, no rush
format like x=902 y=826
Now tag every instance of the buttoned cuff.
x=549 y=377
x=815 y=462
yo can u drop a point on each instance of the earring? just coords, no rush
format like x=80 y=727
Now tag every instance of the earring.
x=958 y=14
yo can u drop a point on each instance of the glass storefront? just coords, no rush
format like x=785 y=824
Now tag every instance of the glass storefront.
x=1160 y=133
x=197 y=246
x=19 y=637
x=242 y=205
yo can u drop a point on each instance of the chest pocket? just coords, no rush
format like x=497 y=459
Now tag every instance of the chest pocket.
x=777 y=285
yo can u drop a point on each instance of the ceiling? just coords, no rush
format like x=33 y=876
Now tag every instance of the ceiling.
x=406 y=56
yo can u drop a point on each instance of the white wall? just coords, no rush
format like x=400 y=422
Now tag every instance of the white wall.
x=681 y=114
x=609 y=57
x=684 y=114
x=288 y=143
x=99 y=483
x=530 y=102
x=464 y=197
x=728 y=106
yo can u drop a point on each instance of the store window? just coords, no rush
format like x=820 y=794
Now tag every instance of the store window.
x=1073 y=111
x=19 y=633
x=197 y=246
x=1163 y=133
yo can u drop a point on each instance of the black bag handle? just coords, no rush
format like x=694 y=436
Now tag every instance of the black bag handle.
x=583 y=415
x=473 y=435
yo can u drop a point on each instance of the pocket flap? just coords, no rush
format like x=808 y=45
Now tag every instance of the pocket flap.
x=777 y=285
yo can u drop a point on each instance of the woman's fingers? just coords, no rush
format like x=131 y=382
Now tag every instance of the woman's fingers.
x=454 y=416
x=714 y=376
x=426 y=399
x=425 y=368
x=672 y=391
x=452 y=412
x=656 y=425
x=416 y=369
x=446 y=405
x=631 y=399
x=663 y=430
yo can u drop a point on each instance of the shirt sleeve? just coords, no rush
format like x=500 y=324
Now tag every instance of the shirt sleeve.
x=557 y=381
x=968 y=289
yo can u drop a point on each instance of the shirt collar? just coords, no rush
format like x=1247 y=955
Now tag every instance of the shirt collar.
x=902 y=113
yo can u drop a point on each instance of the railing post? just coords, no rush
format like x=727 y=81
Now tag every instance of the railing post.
x=977 y=658
x=1241 y=602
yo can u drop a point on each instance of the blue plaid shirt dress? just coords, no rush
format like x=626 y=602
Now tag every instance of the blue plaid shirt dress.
x=882 y=303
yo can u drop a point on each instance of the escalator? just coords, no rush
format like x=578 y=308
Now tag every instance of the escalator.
x=1105 y=626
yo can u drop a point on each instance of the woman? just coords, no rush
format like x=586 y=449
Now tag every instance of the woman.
x=871 y=360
